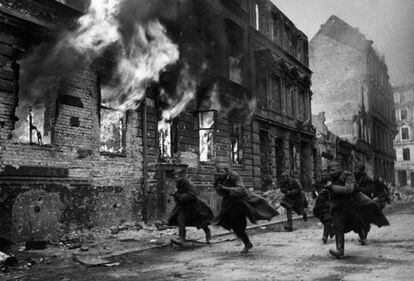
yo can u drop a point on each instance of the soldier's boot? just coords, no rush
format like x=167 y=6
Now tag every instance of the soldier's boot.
x=326 y=232
x=362 y=237
x=331 y=233
x=305 y=215
x=340 y=245
x=207 y=231
x=289 y=226
x=247 y=244
x=181 y=234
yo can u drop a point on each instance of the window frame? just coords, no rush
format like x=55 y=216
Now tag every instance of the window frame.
x=173 y=138
x=240 y=142
x=213 y=129
x=406 y=153
x=402 y=133
x=123 y=119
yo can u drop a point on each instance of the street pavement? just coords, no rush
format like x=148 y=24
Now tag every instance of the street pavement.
x=297 y=255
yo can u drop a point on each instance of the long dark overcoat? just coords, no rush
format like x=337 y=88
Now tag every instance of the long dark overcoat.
x=360 y=210
x=294 y=197
x=238 y=200
x=197 y=213
x=374 y=189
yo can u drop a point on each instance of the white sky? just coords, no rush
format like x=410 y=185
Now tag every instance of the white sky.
x=389 y=23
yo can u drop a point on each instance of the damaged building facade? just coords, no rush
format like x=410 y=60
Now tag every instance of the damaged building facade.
x=91 y=139
x=351 y=85
x=404 y=140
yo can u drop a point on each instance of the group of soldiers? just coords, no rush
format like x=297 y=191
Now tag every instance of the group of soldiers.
x=344 y=202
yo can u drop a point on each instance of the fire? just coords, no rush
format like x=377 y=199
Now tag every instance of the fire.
x=185 y=93
x=206 y=122
x=142 y=61
x=143 y=54
x=112 y=134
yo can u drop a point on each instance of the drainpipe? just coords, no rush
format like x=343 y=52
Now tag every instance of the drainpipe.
x=252 y=147
x=144 y=161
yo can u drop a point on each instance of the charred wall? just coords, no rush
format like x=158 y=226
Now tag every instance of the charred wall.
x=69 y=184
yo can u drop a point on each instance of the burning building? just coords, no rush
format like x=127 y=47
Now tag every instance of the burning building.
x=101 y=100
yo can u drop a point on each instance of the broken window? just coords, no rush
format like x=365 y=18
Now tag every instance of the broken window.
x=236 y=135
x=112 y=130
x=167 y=138
x=34 y=124
x=235 y=43
x=206 y=126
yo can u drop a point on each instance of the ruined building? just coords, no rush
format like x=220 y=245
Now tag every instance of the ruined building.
x=351 y=85
x=100 y=103
x=404 y=140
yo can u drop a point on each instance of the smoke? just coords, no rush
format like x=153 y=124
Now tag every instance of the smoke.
x=141 y=46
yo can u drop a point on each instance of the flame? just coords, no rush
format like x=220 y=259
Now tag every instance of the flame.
x=164 y=130
x=111 y=136
x=21 y=133
x=206 y=122
x=143 y=61
x=142 y=57
x=185 y=93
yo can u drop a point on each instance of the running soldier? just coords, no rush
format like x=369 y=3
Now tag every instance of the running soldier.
x=238 y=203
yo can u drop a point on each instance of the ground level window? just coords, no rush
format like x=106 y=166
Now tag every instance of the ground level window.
x=112 y=131
x=206 y=126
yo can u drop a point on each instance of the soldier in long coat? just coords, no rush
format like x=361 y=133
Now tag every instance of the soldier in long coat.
x=294 y=200
x=350 y=209
x=375 y=191
x=238 y=203
x=189 y=210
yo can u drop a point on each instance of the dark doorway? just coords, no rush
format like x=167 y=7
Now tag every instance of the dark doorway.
x=265 y=160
